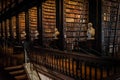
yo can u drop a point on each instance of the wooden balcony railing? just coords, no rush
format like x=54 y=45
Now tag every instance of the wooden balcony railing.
x=69 y=65
x=77 y=66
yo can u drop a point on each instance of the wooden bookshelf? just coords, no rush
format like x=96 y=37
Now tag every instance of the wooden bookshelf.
x=13 y=24
x=33 y=22
x=111 y=31
x=75 y=21
x=7 y=28
x=22 y=25
x=48 y=21
x=3 y=26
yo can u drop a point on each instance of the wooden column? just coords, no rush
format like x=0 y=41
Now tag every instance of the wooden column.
x=17 y=29
x=59 y=22
x=1 y=29
x=99 y=25
x=27 y=25
x=10 y=27
x=5 y=29
x=95 y=18
x=39 y=22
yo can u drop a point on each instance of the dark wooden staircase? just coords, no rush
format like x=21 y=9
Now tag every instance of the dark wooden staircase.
x=18 y=72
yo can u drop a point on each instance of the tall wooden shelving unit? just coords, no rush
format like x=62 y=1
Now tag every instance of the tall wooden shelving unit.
x=1 y=24
x=33 y=22
x=48 y=21
x=75 y=13
x=111 y=27
x=8 y=28
x=3 y=28
x=21 y=20
x=13 y=24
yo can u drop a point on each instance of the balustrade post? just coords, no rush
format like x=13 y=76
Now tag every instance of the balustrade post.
x=90 y=72
x=95 y=71
x=101 y=72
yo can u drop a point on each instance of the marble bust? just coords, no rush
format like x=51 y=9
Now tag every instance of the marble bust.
x=90 y=32
x=56 y=33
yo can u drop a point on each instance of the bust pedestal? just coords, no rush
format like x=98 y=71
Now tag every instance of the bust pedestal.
x=90 y=43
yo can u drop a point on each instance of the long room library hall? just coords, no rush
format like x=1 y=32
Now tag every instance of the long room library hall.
x=59 y=39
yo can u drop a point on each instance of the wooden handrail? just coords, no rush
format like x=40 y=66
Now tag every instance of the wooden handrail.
x=77 y=66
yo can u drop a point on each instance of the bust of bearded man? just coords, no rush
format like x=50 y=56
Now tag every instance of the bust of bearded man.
x=90 y=32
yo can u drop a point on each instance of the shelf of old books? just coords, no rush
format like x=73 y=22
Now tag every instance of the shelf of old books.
x=22 y=25
x=110 y=27
x=75 y=21
x=48 y=21
x=3 y=28
x=33 y=22
x=13 y=24
x=7 y=28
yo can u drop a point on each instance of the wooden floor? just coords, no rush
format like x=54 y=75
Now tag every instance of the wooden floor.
x=5 y=75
